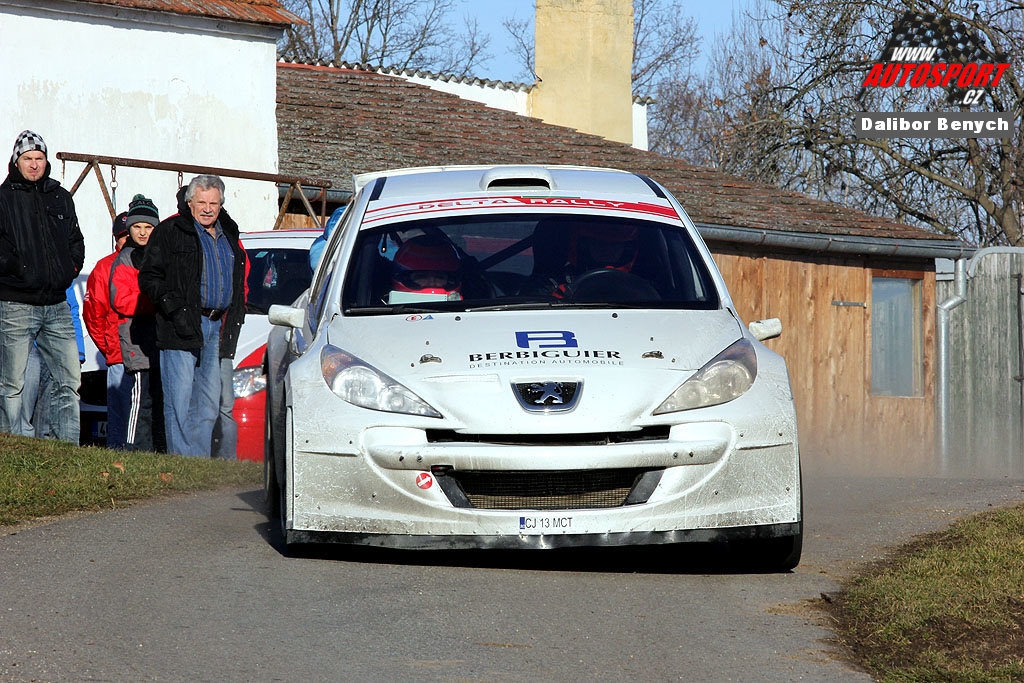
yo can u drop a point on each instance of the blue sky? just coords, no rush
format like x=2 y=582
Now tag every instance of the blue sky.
x=711 y=16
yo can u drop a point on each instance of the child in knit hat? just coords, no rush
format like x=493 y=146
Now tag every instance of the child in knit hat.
x=142 y=210
x=137 y=330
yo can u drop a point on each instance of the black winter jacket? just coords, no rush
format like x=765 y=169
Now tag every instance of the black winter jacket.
x=171 y=276
x=41 y=245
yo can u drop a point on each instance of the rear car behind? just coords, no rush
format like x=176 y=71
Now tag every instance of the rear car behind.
x=279 y=272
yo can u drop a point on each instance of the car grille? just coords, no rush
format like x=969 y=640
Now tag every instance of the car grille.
x=549 y=490
x=656 y=433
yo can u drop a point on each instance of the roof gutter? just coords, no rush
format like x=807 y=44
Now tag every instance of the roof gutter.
x=836 y=244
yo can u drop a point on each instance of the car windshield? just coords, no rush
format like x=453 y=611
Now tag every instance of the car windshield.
x=523 y=261
x=276 y=276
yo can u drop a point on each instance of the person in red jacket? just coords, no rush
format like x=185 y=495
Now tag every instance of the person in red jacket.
x=137 y=330
x=101 y=322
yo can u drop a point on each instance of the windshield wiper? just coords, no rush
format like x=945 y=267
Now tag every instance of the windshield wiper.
x=396 y=310
x=519 y=306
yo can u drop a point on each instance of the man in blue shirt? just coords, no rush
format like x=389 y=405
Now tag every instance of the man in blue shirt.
x=194 y=272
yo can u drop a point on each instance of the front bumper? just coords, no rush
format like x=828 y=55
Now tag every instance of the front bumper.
x=383 y=487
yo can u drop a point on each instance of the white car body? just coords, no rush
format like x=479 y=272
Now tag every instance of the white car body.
x=522 y=423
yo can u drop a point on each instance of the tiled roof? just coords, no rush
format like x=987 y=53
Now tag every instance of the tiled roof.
x=333 y=122
x=253 y=11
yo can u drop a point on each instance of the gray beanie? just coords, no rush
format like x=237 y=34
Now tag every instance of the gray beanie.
x=142 y=210
x=27 y=141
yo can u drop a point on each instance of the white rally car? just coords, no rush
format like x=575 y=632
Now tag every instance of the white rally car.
x=526 y=357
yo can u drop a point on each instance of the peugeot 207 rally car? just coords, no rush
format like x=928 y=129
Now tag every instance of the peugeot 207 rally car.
x=526 y=357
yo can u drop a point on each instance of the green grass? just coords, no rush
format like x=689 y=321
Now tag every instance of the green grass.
x=947 y=607
x=42 y=478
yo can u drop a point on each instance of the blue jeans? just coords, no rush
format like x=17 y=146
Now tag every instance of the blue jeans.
x=30 y=393
x=191 y=381
x=53 y=331
x=225 y=433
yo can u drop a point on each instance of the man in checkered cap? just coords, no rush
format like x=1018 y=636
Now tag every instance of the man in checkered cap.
x=41 y=252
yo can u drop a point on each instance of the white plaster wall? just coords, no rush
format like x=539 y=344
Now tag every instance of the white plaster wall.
x=517 y=101
x=121 y=83
x=640 y=126
x=508 y=99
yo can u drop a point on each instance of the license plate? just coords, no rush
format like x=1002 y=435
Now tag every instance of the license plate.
x=545 y=524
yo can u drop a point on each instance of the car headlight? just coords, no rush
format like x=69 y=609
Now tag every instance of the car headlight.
x=363 y=385
x=725 y=377
x=248 y=381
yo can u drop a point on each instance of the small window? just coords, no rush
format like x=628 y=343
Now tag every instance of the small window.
x=276 y=276
x=896 y=348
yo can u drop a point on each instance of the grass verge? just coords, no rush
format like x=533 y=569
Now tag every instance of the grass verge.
x=947 y=607
x=43 y=478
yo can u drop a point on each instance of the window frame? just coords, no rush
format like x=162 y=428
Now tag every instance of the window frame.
x=878 y=383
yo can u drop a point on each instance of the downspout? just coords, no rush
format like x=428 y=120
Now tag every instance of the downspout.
x=942 y=390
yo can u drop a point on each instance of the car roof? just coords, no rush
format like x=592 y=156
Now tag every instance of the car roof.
x=404 y=194
x=297 y=238
x=440 y=181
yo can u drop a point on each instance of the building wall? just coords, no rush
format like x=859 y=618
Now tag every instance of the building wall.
x=494 y=95
x=825 y=306
x=517 y=100
x=110 y=81
x=583 y=58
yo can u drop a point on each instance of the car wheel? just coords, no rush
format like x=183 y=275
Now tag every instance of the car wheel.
x=271 y=489
x=769 y=555
x=778 y=554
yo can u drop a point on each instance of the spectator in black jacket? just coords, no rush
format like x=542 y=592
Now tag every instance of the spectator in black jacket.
x=41 y=253
x=193 y=272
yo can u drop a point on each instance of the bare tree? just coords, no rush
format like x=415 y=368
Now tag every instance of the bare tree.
x=521 y=32
x=790 y=82
x=406 y=34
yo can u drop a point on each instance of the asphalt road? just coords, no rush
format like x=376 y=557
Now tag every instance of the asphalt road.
x=191 y=588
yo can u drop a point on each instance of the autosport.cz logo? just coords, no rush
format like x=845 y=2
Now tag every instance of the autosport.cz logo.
x=971 y=78
x=929 y=51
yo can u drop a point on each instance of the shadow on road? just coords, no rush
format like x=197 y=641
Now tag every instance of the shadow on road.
x=680 y=558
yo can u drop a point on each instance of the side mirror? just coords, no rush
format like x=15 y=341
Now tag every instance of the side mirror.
x=762 y=329
x=286 y=316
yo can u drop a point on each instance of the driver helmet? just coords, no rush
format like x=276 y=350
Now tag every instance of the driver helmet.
x=603 y=245
x=426 y=268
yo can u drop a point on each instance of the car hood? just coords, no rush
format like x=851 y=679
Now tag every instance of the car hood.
x=468 y=365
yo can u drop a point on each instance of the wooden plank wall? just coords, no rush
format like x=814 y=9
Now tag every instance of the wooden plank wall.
x=985 y=394
x=827 y=348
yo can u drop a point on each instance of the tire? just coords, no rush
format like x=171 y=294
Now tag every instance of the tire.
x=781 y=554
x=271 y=489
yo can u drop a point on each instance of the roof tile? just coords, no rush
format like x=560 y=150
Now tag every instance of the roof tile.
x=334 y=122
x=254 y=11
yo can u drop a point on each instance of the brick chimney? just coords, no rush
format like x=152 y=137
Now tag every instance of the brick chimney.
x=583 y=60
